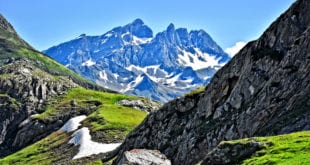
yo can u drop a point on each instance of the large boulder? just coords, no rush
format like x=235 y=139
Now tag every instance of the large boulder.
x=144 y=157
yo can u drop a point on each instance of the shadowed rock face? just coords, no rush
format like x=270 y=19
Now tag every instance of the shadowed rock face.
x=263 y=90
x=230 y=153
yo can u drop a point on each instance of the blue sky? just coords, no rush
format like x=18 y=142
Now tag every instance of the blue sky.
x=50 y=22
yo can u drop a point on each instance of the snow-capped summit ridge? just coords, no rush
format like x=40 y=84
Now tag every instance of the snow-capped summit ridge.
x=132 y=60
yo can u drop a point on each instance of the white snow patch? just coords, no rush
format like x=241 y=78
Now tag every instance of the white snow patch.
x=188 y=80
x=139 y=41
x=103 y=75
x=96 y=51
x=206 y=78
x=144 y=70
x=138 y=80
x=197 y=61
x=88 y=63
x=104 y=41
x=171 y=81
x=126 y=88
x=235 y=49
x=115 y=76
x=132 y=84
x=136 y=40
x=87 y=146
x=108 y=35
x=73 y=123
x=168 y=79
x=125 y=34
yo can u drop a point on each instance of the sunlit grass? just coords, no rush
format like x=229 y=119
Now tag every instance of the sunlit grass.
x=288 y=149
x=38 y=153
x=109 y=117
x=196 y=91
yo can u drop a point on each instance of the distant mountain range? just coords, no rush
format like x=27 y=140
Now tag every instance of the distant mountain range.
x=131 y=60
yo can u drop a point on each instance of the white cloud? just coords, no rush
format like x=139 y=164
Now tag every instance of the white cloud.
x=235 y=49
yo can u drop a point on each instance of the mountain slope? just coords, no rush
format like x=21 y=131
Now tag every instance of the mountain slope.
x=38 y=96
x=263 y=90
x=106 y=121
x=173 y=62
x=13 y=48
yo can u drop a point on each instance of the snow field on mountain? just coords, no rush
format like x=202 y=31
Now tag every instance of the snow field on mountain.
x=82 y=138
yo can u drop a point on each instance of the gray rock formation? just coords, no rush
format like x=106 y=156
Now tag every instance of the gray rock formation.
x=144 y=157
x=146 y=105
x=263 y=90
x=232 y=153
x=27 y=88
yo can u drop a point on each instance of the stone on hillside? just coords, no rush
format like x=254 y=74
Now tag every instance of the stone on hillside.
x=146 y=105
x=144 y=157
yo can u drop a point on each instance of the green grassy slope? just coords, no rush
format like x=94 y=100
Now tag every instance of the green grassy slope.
x=38 y=153
x=109 y=117
x=112 y=120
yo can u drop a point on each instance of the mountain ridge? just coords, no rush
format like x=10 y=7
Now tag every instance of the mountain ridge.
x=117 y=58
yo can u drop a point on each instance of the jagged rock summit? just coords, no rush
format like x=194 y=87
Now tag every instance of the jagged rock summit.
x=263 y=90
x=131 y=60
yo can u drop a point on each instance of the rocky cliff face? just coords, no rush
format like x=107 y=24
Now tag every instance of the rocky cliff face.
x=30 y=88
x=263 y=90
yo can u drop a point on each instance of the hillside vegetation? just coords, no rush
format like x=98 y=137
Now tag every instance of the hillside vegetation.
x=110 y=122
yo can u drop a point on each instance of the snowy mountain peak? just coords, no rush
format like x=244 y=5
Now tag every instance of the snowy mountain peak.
x=130 y=60
x=171 y=28
x=138 y=29
x=82 y=35
x=137 y=21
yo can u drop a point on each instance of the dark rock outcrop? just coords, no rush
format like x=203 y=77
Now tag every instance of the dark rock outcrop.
x=232 y=153
x=263 y=90
x=144 y=157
